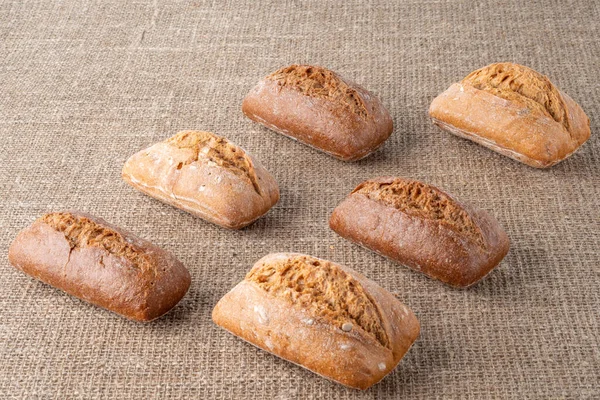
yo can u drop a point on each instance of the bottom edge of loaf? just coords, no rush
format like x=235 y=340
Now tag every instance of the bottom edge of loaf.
x=418 y=269
x=286 y=133
x=313 y=371
x=177 y=202
x=94 y=304
x=490 y=144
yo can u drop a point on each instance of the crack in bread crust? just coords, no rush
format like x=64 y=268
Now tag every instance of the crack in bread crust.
x=82 y=232
x=323 y=289
x=218 y=150
x=423 y=201
x=322 y=83
x=521 y=85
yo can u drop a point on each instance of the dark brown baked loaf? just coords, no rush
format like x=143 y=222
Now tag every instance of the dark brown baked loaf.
x=321 y=109
x=100 y=263
x=514 y=111
x=320 y=315
x=420 y=226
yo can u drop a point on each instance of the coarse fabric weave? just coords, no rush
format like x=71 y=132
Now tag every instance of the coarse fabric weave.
x=84 y=84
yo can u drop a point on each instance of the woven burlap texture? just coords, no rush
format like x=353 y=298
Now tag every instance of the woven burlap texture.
x=85 y=84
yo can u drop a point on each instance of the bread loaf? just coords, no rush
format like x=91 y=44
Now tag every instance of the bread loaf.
x=420 y=226
x=101 y=264
x=321 y=109
x=514 y=111
x=320 y=315
x=206 y=175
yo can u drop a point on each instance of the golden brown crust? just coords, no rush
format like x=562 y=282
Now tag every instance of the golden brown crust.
x=514 y=111
x=206 y=175
x=458 y=246
x=293 y=328
x=102 y=264
x=319 y=108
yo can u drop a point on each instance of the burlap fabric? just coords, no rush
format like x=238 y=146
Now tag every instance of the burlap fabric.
x=84 y=84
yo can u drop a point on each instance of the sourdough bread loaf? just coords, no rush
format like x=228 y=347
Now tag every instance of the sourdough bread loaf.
x=321 y=109
x=320 y=315
x=97 y=262
x=514 y=111
x=422 y=227
x=206 y=175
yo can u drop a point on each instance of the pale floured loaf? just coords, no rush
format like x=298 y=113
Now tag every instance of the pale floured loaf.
x=206 y=175
x=320 y=315
x=515 y=111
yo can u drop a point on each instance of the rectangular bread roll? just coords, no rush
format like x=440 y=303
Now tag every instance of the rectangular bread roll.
x=206 y=175
x=320 y=315
x=422 y=227
x=321 y=109
x=101 y=264
x=514 y=111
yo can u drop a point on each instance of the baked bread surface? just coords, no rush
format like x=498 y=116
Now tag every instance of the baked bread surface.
x=321 y=109
x=422 y=227
x=320 y=315
x=514 y=111
x=97 y=262
x=206 y=175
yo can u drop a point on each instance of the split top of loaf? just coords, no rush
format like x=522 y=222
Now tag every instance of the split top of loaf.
x=324 y=290
x=319 y=82
x=420 y=200
x=514 y=111
x=218 y=150
x=521 y=85
x=81 y=231
x=206 y=175
x=323 y=316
